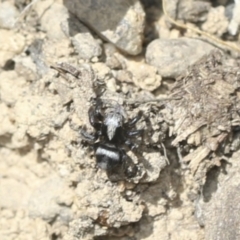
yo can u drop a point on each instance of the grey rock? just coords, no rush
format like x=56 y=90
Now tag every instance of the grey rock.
x=172 y=8
x=173 y=56
x=229 y=10
x=55 y=14
x=193 y=10
x=8 y=15
x=189 y=10
x=36 y=54
x=63 y=24
x=122 y=22
x=219 y=212
x=86 y=46
x=233 y=27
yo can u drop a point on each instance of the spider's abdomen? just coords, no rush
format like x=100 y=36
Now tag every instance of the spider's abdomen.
x=109 y=156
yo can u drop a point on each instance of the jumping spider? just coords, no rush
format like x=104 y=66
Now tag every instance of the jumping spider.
x=112 y=135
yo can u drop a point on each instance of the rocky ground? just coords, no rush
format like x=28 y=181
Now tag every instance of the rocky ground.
x=184 y=77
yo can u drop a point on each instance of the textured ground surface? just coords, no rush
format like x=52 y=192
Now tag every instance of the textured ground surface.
x=187 y=184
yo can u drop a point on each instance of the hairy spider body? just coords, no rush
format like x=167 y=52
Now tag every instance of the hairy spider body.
x=109 y=156
x=114 y=161
x=112 y=135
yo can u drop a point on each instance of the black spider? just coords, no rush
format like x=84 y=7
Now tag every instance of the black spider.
x=112 y=135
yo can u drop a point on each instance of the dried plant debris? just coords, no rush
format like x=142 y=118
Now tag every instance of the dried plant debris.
x=218 y=210
x=207 y=112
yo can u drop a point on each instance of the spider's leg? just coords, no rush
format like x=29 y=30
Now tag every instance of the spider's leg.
x=131 y=145
x=90 y=138
x=95 y=115
x=134 y=133
x=130 y=134
x=133 y=121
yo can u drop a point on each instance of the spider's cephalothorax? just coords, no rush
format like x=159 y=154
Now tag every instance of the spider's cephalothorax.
x=112 y=135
